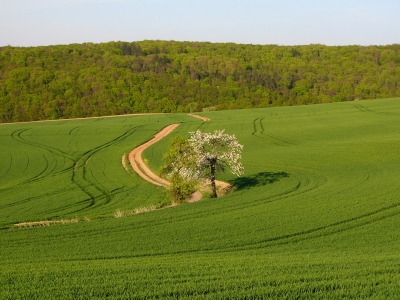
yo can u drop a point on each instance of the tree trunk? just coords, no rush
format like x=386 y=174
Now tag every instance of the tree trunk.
x=214 y=187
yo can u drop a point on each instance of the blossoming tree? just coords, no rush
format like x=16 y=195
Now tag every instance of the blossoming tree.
x=215 y=152
x=200 y=156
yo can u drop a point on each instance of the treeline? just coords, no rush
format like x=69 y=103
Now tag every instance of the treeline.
x=81 y=80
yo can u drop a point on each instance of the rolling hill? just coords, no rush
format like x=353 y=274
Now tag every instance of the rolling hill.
x=316 y=214
x=86 y=80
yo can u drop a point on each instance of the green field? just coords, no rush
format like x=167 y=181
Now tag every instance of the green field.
x=316 y=214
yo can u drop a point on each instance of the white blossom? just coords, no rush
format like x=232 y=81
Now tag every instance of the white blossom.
x=203 y=155
x=218 y=149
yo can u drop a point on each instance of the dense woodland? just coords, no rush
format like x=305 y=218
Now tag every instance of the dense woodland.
x=81 y=80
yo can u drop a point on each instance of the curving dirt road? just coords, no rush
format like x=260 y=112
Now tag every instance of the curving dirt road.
x=138 y=165
x=86 y=118
x=199 y=117
x=135 y=158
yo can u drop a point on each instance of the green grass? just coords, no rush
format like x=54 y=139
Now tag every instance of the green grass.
x=316 y=214
x=73 y=168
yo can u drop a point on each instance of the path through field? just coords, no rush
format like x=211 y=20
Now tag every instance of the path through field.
x=85 y=118
x=135 y=159
x=316 y=214
x=199 y=117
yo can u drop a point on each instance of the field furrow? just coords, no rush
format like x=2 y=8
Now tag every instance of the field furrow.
x=315 y=216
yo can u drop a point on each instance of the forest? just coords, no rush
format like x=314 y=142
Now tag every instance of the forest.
x=83 y=80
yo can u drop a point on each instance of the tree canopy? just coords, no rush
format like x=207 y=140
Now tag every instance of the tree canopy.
x=215 y=152
x=82 y=80
x=178 y=161
x=200 y=157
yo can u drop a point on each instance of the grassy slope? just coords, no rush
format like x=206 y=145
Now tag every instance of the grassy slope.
x=73 y=168
x=315 y=215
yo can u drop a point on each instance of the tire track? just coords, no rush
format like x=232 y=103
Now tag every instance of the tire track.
x=17 y=136
x=258 y=131
x=366 y=109
x=362 y=108
x=368 y=218
x=27 y=162
x=73 y=129
x=9 y=165
x=334 y=228
x=26 y=200
x=91 y=187
x=304 y=184
x=78 y=166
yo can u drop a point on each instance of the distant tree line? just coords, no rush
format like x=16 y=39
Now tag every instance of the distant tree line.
x=81 y=80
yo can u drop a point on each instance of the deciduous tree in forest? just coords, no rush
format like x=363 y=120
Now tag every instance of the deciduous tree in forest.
x=166 y=76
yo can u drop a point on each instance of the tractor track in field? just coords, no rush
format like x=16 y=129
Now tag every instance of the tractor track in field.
x=329 y=229
x=258 y=132
x=78 y=166
x=366 y=109
x=305 y=184
x=80 y=175
x=367 y=218
x=26 y=200
x=27 y=163
x=16 y=135
x=9 y=166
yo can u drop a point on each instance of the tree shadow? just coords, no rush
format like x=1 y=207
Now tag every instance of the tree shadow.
x=259 y=179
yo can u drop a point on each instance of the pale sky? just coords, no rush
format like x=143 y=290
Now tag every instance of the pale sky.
x=282 y=22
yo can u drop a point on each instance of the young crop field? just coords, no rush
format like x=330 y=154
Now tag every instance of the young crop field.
x=74 y=168
x=315 y=216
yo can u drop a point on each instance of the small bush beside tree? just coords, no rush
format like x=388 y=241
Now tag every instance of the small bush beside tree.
x=178 y=160
x=200 y=157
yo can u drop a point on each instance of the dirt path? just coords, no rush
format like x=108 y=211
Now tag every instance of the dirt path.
x=123 y=160
x=87 y=118
x=199 y=117
x=138 y=165
x=135 y=158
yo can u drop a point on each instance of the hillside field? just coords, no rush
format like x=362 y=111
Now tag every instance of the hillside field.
x=315 y=216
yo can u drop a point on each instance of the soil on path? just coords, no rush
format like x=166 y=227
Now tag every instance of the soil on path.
x=137 y=163
x=135 y=158
x=86 y=118
x=199 y=117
